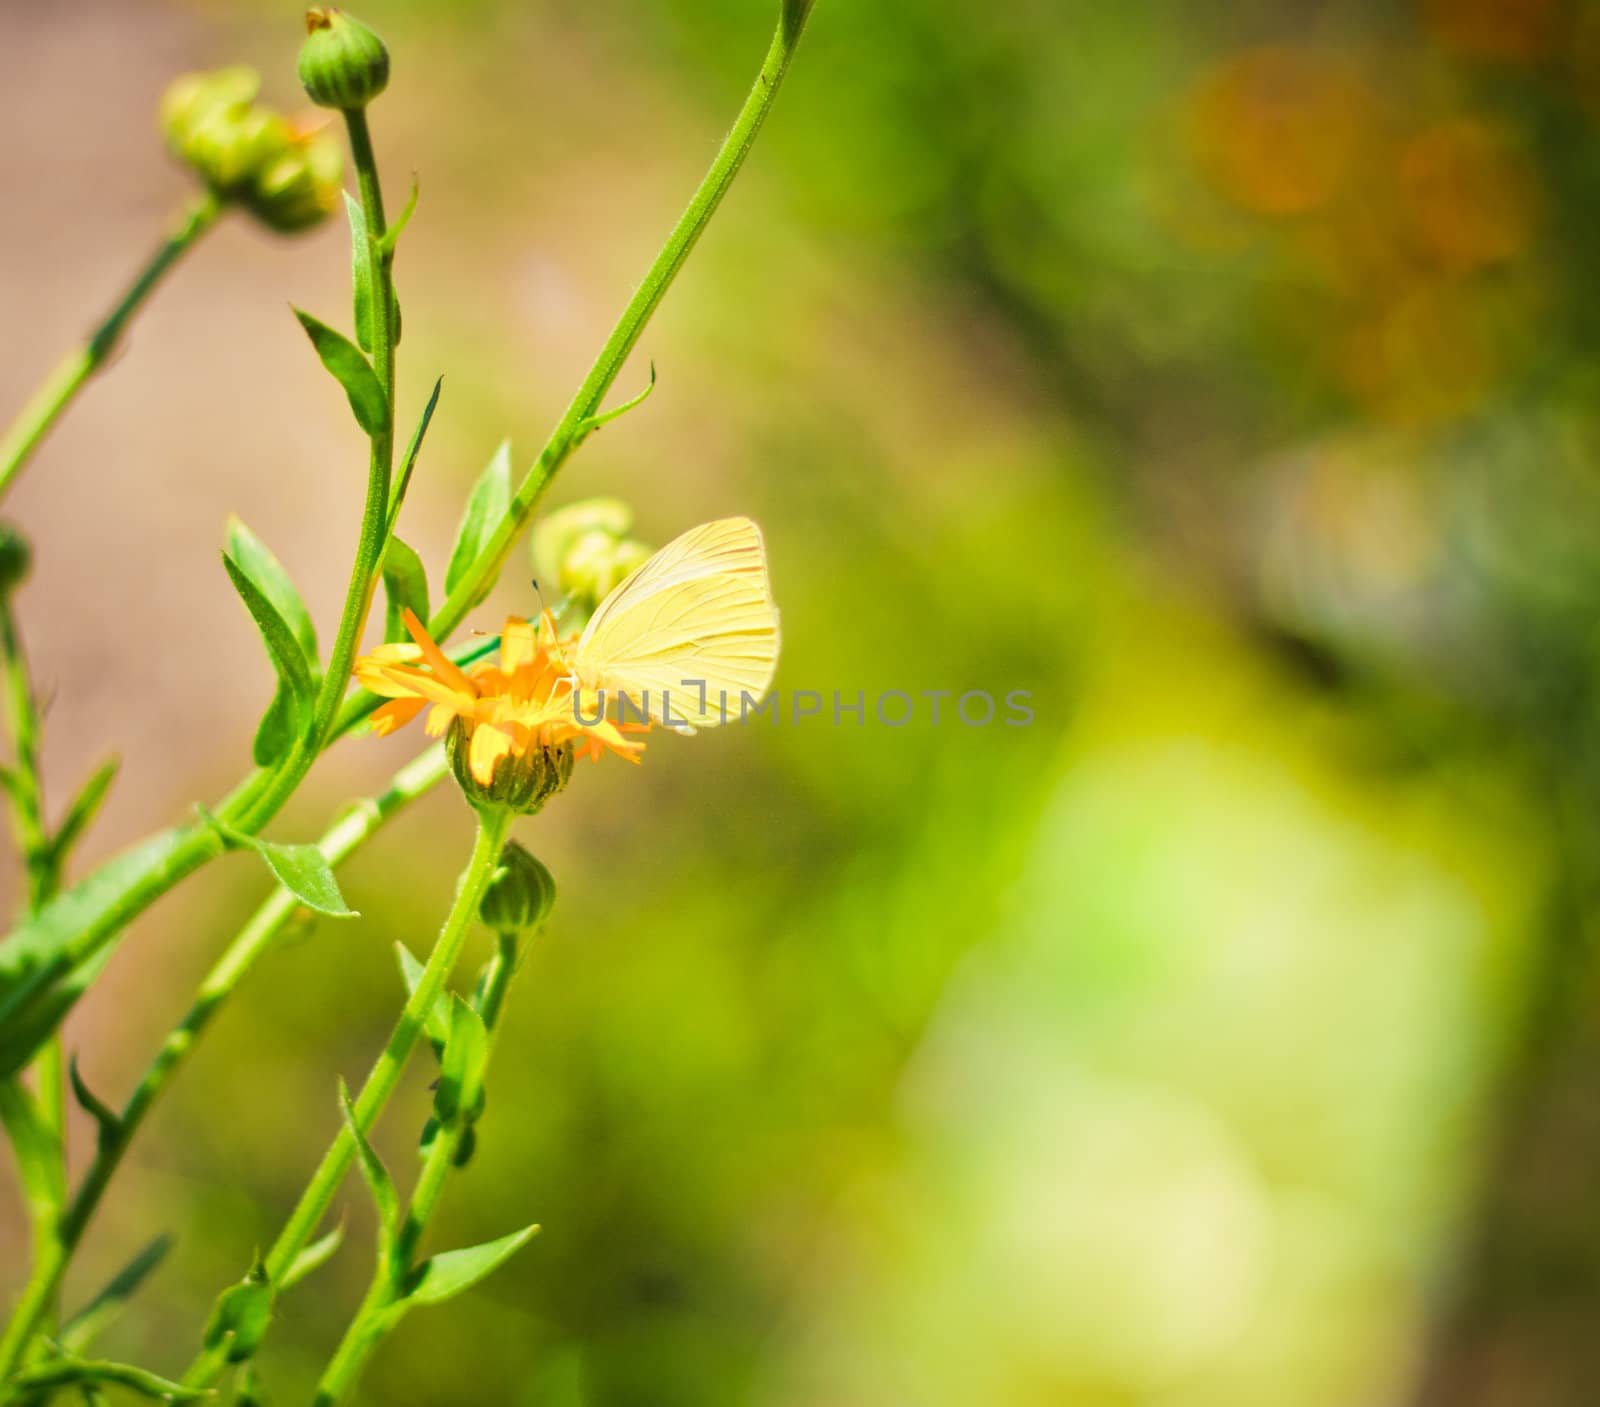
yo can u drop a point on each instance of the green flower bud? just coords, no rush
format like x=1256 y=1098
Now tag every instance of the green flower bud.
x=299 y=189
x=521 y=782
x=596 y=564
x=16 y=557
x=230 y=147
x=190 y=99
x=521 y=893
x=343 y=64
x=585 y=549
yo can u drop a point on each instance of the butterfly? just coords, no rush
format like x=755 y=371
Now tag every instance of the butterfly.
x=689 y=634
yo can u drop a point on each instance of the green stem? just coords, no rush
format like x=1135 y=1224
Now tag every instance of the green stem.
x=176 y=854
x=493 y=827
x=373 y=1322
x=364 y=574
x=219 y=984
x=34 y=420
x=574 y=424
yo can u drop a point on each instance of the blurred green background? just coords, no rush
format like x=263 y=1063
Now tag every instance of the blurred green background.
x=1226 y=377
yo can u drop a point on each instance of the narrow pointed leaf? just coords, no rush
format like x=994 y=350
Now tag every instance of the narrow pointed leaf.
x=600 y=421
x=466 y=1052
x=255 y=559
x=402 y=481
x=446 y=1275
x=391 y=236
x=96 y=1316
x=301 y=869
x=405 y=585
x=349 y=366
x=278 y=728
x=437 y=1020
x=288 y=657
x=377 y=1176
x=84 y=808
x=314 y=1257
x=106 y=1121
x=361 y=272
x=490 y=501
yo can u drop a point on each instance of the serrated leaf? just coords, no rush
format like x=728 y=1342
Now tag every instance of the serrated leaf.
x=317 y=1254
x=379 y=1183
x=366 y=298
x=84 y=808
x=405 y=586
x=402 y=482
x=436 y=1022
x=448 y=1274
x=288 y=658
x=106 y=1121
x=67 y=1371
x=82 y=1329
x=488 y=506
x=255 y=559
x=466 y=1053
x=348 y=365
x=278 y=728
x=301 y=869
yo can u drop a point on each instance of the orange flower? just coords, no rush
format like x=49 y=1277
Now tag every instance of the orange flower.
x=507 y=710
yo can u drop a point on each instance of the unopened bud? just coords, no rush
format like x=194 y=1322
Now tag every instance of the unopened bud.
x=521 y=893
x=585 y=549
x=343 y=64
x=300 y=188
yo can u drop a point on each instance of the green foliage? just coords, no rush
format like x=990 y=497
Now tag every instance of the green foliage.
x=444 y=1276
x=405 y=585
x=486 y=508
x=301 y=869
x=106 y=1307
x=346 y=363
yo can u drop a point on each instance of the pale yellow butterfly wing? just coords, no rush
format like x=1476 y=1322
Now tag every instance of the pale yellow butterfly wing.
x=700 y=610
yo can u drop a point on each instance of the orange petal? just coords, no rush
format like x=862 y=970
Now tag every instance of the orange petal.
x=443 y=667
x=393 y=715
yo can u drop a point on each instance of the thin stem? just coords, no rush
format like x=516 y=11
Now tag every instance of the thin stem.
x=253 y=940
x=373 y=1322
x=174 y=855
x=493 y=827
x=368 y=565
x=34 y=420
x=573 y=427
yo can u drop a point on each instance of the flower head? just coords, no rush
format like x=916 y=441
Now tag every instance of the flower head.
x=519 y=712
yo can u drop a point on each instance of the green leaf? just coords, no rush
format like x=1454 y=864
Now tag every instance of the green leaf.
x=267 y=572
x=249 y=1392
x=106 y=1121
x=288 y=658
x=372 y=1169
x=405 y=584
x=301 y=869
x=402 y=482
x=314 y=1257
x=391 y=236
x=67 y=1371
x=278 y=728
x=242 y=1315
x=350 y=368
x=366 y=298
x=437 y=1021
x=488 y=506
x=592 y=423
x=466 y=1053
x=84 y=1326
x=446 y=1275
x=84 y=808
x=45 y=963
x=37 y=1149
